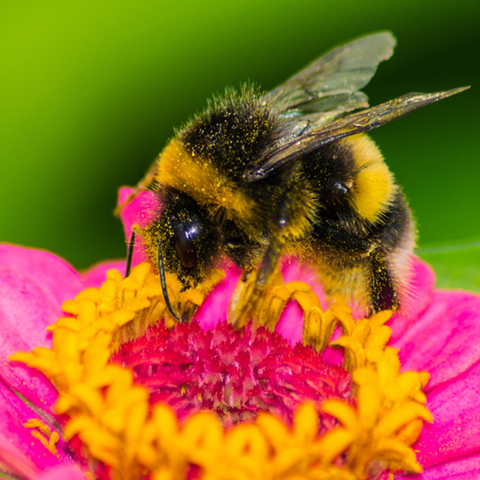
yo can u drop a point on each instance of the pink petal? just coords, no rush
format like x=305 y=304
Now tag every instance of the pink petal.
x=464 y=468
x=444 y=341
x=13 y=414
x=456 y=429
x=141 y=210
x=53 y=275
x=215 y=307
x=33 y=285
x=63 y=472
x=417 y=297
x=25 y=312
x=13 y=460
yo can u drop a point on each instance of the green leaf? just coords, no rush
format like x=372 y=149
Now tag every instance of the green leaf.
x=456 y=266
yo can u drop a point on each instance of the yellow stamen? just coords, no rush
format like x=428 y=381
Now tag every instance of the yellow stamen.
x=364 y=341
x=47 y=438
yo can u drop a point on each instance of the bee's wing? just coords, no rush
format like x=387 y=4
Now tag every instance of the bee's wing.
x=363 y=121
x=332 y=82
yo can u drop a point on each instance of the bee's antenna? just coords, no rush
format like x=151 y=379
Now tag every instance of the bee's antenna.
x=161 y=271
x=131 y=246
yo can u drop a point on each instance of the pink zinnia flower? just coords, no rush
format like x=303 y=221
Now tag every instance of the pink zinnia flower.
x=207 y=365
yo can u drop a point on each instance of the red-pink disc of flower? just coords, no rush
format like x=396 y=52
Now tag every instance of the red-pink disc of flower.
x=235 y=373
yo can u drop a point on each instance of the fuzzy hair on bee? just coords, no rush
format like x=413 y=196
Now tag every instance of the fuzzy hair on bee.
x=258 y=176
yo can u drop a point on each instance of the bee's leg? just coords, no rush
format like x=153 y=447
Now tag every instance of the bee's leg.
x=383 y=293
x=274 y=251
x=381 y=289
x=248 y=297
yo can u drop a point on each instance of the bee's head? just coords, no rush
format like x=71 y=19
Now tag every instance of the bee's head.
x=183 y=241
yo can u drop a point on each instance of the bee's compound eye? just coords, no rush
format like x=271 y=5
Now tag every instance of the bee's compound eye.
x=183 y=241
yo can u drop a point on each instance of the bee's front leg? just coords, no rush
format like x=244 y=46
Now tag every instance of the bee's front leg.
x=249 y=296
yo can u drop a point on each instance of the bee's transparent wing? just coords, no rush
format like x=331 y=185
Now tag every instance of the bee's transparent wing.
x=363 y=121
x=330 y=85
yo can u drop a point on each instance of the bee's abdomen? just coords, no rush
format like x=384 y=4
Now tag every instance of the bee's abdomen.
x=358 y=202
x=396 y=226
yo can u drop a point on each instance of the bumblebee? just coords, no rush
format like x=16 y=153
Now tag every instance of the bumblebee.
x=258 y=176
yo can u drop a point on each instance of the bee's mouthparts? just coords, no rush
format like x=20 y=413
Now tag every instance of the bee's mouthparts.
x=161 y=271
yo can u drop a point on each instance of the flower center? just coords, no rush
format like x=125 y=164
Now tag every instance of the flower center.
x=130 y=388
x=235 y=374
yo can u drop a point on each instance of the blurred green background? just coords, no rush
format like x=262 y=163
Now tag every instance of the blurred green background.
x=90 y=92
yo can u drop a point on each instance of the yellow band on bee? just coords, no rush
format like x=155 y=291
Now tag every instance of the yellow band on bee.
x=374 y=188
x=198 y=178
